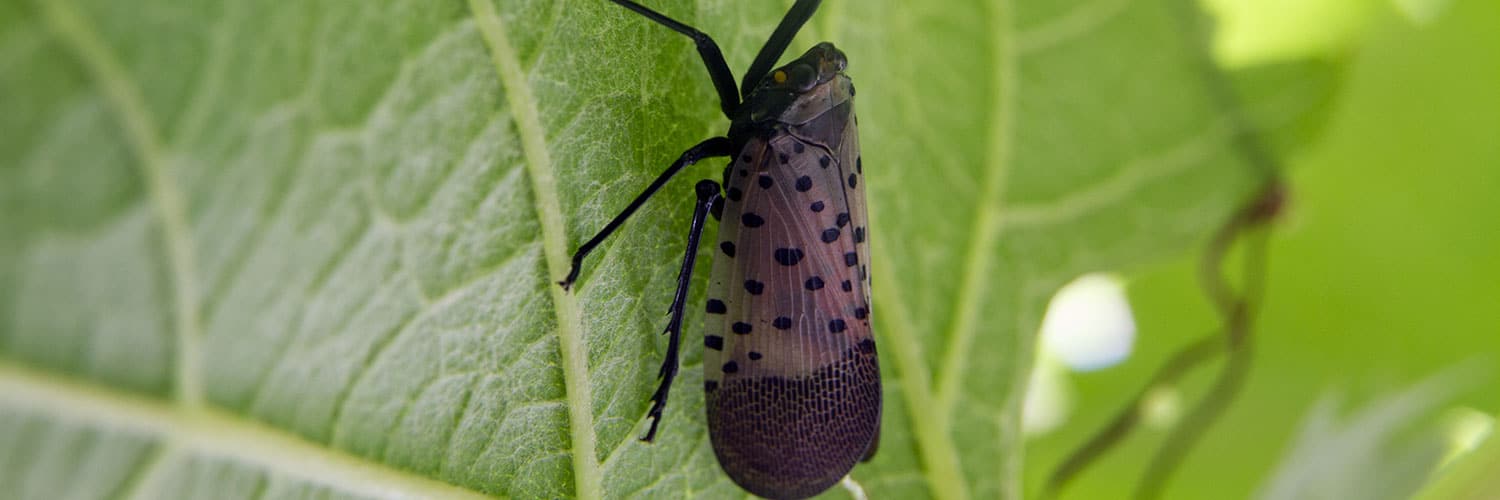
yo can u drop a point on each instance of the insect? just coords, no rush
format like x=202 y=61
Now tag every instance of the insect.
x=793 y=386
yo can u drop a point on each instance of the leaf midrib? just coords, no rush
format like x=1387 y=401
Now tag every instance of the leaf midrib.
x=934 y=434
x=987 y=222
x=587 y=479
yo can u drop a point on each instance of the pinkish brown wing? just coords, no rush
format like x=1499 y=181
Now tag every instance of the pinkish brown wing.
x=793 y=294
x=789 y=362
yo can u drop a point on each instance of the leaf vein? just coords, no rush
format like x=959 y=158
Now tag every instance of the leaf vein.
x=987 y=222
x=140 y=472
x=458 y=418
x=934 y=444
x=211 y=433
x=234 y=265
x=1128 y=179
x=1078 y=22
x=69 y=25
x=375 y=351
x=312 y=289
x=587 y=479
x=146 y=472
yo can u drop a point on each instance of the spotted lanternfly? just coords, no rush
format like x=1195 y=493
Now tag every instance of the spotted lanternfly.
x=793 y=387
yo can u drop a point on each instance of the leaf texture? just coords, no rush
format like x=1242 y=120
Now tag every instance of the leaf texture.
x=309 y=250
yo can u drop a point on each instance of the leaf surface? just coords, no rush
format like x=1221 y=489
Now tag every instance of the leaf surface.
x=262 y=249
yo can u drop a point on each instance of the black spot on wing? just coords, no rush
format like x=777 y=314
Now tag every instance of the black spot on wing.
x=788 y=256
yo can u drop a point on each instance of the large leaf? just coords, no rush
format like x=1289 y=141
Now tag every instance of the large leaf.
x=308 y=249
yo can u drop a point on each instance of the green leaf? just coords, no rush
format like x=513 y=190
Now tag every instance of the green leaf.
x=1378 y=274
x=310 y=249
x=1382 y=450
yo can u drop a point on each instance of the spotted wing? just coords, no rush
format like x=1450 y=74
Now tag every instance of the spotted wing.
x=791 y=268
x=793 y=384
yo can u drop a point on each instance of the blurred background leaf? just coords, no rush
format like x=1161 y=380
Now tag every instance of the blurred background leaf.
x=1383 y=269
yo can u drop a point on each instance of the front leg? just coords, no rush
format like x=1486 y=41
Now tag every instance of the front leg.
x=718 y=146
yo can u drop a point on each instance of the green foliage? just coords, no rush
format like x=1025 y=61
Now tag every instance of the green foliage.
x=308 y=249
x=1382 y=273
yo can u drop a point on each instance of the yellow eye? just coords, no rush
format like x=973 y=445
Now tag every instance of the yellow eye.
x=779 y=76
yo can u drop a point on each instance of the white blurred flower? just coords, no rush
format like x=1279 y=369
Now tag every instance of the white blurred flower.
x=1088 y=325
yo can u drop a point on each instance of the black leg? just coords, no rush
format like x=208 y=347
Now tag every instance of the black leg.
x=791 y=23
x=708 y=198
x=718 y=146
x=713 y=58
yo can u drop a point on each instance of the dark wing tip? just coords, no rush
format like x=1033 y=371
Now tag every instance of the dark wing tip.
x=796 y=437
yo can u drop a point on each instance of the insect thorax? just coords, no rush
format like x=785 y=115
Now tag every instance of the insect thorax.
x=795 y=94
